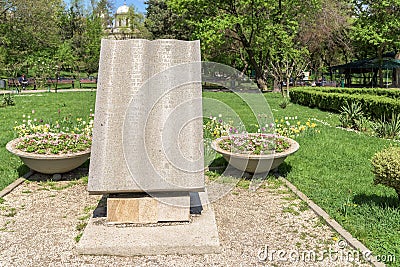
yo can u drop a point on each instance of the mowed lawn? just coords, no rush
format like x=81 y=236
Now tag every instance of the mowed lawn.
x=46 y=106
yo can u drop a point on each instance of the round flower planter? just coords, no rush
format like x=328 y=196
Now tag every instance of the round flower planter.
x=255 y=163
x=49 y=164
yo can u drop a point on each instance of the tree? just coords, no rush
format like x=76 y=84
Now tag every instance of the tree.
x=27 y=27
x=265 y=31
x=325 y=33
x=136 y=24
x=377 y=25
x=164 y=23
x=92 y=42
x=102 y=9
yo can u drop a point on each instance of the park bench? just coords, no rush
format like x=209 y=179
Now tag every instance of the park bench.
x=84 y=81
x=13 y=83
x=55 y=82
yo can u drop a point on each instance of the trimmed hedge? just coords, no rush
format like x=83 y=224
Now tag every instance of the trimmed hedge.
x=376 y=106
x=391 y=93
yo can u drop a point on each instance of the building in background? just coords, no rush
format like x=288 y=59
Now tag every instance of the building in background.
x=122 y=26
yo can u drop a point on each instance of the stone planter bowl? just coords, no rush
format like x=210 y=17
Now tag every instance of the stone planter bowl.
x=255 y=163
x=49 y=164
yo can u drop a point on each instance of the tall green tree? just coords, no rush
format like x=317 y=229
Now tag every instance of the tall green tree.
x=325 y=33
x=377 y=26
x=92 y=41
x=263 y=31
x=137 y=24
x=164 y=23
x=27 y=27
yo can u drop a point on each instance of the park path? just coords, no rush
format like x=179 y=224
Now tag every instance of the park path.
x=40 y=220
x=46 y=91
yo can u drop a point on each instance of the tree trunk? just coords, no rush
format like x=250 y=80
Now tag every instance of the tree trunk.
x=261 y=83
x=380 y=73
x=260 y=77
x=396 y=77
x=287 y=86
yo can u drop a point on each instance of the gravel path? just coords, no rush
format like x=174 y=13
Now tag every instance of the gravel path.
x=39 y=222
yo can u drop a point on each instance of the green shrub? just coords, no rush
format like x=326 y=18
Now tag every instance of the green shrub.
x=387 y=128
x=374 y=106
x=351 y=116
x=284 y=103
x=386 y=167
x=391 y=93
x=8 y=100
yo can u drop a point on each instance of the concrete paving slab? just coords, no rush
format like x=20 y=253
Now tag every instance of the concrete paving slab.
x=199 y=236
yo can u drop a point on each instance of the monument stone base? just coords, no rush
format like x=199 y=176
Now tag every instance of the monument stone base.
x=143 y=208
x=199 y=236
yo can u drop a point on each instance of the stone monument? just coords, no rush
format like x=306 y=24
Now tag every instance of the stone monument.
x=147 y=152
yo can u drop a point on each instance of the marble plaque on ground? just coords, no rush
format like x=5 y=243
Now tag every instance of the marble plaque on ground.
x=147 y=134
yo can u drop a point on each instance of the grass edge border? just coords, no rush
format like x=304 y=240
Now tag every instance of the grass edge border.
x=16 y=183
x=331 y=222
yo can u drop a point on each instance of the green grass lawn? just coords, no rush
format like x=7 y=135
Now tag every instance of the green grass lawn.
x=45 y=106
x=333 y=169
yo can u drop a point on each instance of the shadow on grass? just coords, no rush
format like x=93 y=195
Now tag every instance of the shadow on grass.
x=283 y=169
x=375 y=200
x=22 y=170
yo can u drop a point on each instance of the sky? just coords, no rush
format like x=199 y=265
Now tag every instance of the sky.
x=139 y=4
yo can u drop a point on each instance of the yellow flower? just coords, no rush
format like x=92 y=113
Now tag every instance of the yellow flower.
x=298 y=123
x=313 y=125
x=308 y=123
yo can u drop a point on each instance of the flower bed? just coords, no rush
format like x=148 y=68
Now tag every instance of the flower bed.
x=53 y=147
x=242 y=155
x=254 y=144
x=54 y=143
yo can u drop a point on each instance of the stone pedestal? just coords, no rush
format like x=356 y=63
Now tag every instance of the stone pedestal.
x=199 y=236
x=141 y=208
